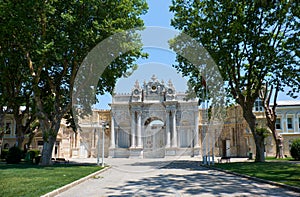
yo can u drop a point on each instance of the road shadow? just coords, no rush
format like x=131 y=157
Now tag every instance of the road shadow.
x=180 y=164
x=197 y=182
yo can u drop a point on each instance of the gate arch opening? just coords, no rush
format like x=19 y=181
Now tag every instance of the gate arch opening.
x=154 y=138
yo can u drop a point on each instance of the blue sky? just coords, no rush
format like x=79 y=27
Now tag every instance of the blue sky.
x=159 y=61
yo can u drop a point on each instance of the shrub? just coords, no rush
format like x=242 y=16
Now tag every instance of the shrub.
x=14 y=155
x=37 y=159
x=295 y=149
x=4 y=153
x=32 y=154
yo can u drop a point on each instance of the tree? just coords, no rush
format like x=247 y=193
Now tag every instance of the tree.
x=54 y=37
x=270 y=112
x=17 y=92
x=266 y=95
x=251 y=42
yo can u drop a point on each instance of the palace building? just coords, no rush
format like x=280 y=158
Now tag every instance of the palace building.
x=154 y=120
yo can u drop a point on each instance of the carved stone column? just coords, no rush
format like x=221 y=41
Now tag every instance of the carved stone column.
x=112 y=133
x=196 y=132
x=168 y=136
x=133 y=126
x=139 y=129
x=112 y=147
x=174 y=132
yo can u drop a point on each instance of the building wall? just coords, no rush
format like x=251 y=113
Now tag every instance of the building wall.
x=234 y=138
x=235 y=123
x=235 y=131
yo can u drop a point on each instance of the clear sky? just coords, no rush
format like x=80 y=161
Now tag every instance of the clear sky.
x=159 y=61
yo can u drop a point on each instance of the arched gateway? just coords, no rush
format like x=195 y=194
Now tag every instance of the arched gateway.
x=154 y=121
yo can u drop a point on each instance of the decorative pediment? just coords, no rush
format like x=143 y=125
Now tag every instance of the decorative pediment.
x=137 y=92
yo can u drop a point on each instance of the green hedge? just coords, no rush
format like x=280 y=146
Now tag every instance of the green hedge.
x=4 y=153
x=32 y=154
x=295 y=149
x=14 y=155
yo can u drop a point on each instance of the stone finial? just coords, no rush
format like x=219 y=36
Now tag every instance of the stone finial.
x=154 y=78
x=170 y=84
x=137 y=85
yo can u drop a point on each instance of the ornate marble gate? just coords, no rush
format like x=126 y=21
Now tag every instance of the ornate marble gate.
x=154 y=121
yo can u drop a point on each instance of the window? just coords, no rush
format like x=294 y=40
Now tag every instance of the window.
x=278 y=123
x=290 y=123
x=258 y=105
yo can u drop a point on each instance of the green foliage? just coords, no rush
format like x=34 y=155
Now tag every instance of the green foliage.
x=37 y=159
x=264 y=132
x=251 y=42
x=46 y=42
x=4 y=153
x=295 y=149
x=14 y=155
x=32 y=154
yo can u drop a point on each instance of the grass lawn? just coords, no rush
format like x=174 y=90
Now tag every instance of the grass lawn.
x=283 y=172
x=280 y=159
x=33 y=180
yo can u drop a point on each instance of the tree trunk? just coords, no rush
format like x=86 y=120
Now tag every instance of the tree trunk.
x=2 y=116
x=50 y=131
x=19 y=132
x=259 y=140
x=276 y=139
x=271 y=121
x=277 y=148
x=270 y=112
x=47 y=151
x=31 y=137
x=260 y=148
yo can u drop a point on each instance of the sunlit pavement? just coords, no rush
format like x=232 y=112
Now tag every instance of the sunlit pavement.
x=168 y=177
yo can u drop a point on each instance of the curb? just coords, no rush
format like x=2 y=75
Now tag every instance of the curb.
x=293 y=188
x=70 y=185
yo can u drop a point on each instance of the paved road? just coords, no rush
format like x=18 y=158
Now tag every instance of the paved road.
x=160 y=177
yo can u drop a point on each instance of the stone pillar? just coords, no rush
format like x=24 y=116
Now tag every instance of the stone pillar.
x=112 y=147
x=112 y=133
x=139 y=129
x=132 y=130
x=174 y=132
x=284 y=123
x=297 y=127
x=168 y=136
x=196 y=131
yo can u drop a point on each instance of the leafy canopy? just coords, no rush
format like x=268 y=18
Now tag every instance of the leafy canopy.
x=251 y=41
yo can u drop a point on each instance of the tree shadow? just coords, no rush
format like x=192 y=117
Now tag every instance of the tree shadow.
x=198 y=181
x=180 y=164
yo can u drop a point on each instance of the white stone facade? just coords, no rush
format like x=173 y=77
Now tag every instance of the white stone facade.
x=153 y=121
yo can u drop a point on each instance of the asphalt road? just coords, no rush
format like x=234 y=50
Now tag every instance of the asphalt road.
x=161 y=177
